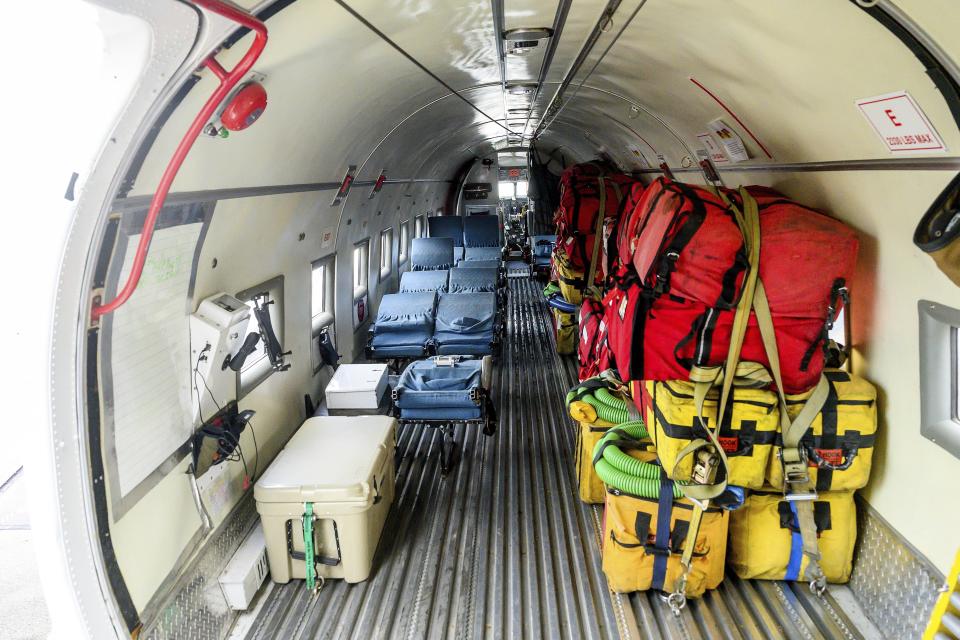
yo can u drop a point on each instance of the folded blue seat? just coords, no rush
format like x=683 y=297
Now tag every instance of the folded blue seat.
x=428 y=254
x=447 y=227
x=427 y=390
x=465 y=323
x=419 y=281
x=481 y=231
x=404 y=325
x=472 y=254
x=467 y=280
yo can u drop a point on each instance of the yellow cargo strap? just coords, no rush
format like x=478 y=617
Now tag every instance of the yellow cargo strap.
x=796 y=476
x=710 y=456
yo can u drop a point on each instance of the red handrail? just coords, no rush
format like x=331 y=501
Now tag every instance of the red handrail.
x=228 y=81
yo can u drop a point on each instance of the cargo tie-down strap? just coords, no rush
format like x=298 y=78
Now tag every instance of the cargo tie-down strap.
x=590 y=289
x=309 y=557
x=710 y=457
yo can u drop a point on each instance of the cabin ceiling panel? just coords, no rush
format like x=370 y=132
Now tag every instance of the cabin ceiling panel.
x=779 y=66
x=454 y=39
x=939 y=18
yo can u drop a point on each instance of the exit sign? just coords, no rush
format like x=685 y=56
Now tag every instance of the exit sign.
x=900 y=123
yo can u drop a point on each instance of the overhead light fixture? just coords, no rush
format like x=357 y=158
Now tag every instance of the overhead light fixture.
x=521 y=42
x=521 y=110
x=527 y=34
x=521 y=88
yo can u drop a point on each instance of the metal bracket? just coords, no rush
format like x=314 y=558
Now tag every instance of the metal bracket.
x=378 y=184
x=344 y=185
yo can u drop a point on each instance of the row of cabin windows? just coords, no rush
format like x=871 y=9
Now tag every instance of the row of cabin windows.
x=322 y=286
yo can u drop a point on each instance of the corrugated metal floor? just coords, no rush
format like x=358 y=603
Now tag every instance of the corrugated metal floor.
x=504 y=548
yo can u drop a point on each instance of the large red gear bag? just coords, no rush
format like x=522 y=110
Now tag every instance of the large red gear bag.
x=662 y=338
x=576 y=217
x=689 y=245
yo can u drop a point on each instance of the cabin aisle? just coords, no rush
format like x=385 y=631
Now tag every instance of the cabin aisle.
x=503 y=548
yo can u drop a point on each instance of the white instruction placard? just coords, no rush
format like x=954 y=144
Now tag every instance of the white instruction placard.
x=900 y=123
x=710 y=145
x=731 y=142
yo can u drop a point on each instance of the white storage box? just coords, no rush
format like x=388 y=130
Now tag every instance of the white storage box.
x=344 y=466
x=357 y=386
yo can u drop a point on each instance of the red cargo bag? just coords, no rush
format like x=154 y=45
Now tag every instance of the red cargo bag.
x=576 y=217
x=592 y=350
x=619 y=234
x=688 y=244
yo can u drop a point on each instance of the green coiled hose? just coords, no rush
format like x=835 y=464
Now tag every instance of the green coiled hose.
x=622 y=471
x=608 y=406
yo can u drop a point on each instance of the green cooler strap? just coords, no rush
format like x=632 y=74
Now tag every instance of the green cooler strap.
x=309 y=557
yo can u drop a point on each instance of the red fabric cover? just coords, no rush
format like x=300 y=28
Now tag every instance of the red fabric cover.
x=803 y=253
x=710 y=263
x=619 y=233
x=593 y=351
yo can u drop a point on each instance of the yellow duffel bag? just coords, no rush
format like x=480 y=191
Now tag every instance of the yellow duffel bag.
x=747 y=435
x=638 y=556
x=840 y=441
x=592 y=489
x=765 y=541
x=571 y=281
x=566 y=331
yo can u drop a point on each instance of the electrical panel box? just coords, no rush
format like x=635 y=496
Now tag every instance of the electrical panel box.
x=217 y=330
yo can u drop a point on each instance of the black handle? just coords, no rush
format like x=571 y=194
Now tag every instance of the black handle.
x=249 y=346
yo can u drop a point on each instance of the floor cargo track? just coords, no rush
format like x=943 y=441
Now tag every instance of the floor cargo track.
x=503 y=548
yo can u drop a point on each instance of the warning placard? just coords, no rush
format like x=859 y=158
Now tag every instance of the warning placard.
x=898 y=120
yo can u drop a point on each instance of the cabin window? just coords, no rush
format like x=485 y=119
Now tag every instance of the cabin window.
x=361 y=267
x=257 y=368
x=506 y=190
x=522 y=187
x=404 y=241
x=321 y=307
x=940 y=375
x=386 y=253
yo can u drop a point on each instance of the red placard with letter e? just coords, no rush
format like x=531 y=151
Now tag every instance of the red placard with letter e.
x=900 y=123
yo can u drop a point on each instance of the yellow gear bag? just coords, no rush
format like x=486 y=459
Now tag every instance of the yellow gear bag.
x=839 y=443
x=566 y=331
x=639 y=555
x=765 y=539
x=592 y=489
x=748 y=434
x=571 y=281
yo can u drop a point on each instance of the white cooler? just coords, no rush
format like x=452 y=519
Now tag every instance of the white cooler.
x=344 y=466
x=356 y=386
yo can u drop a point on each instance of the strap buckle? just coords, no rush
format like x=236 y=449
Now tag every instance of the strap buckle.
x=794 y=463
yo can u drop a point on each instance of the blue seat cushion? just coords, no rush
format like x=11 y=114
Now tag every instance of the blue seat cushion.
x=403 y=344
x=420 y=281
x=472 y=254
x=479 y=264
x=481 y=231
x=467 y=280
x=405 y=312
x=431 y=253
x=447 y=227
x=465 y=320
x=424 y=385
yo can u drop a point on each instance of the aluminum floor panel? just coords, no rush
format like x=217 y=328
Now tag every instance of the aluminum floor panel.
x=503 y=548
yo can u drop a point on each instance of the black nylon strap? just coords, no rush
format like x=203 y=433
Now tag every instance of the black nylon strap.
x=828 y=435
